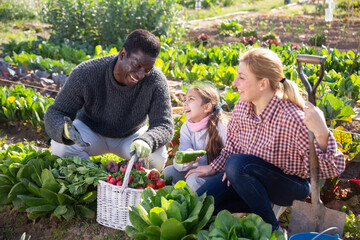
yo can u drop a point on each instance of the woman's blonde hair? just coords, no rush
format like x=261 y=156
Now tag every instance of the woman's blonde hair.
x=264 y=63
x=210 y=95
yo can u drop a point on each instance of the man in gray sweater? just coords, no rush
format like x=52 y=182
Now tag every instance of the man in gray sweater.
x=121 y=104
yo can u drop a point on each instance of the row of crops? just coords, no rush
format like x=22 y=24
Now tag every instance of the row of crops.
x=216 y=65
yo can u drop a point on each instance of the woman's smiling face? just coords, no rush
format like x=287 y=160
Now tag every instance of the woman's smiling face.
x=194 y=108
x=247 y=84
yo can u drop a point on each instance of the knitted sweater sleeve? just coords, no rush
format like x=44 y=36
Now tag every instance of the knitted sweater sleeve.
x=161 y=126
x=69 y=100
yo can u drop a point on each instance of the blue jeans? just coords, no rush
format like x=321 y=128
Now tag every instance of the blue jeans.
x=255 y=184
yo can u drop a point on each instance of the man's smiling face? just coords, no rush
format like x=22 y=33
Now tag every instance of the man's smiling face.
x=129 y=70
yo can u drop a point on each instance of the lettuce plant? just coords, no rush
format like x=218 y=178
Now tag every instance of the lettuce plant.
x=174 y=213
x=228 y=227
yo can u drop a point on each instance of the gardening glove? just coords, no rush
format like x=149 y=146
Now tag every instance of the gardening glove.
x=142 y=148
x=71 y=133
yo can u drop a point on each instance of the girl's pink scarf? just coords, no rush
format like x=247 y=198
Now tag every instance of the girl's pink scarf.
x=197 y=126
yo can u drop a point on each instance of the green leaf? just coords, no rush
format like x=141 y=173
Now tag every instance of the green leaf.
x=32 y=201
x=50 y=196
x=5 y=189
x=205 y=214
x=136 y=220
x=172 y=210
x=60 y=210
x=172 y=229
x=23 y=172
x=35 y=215
x=49 y=182
x=88 y=197
x=70 y=213
x=189 y=237
x=86 y=212
x=42 y=208
x=135 y=234
x=157 y=216
x=34 y=189
x=4 y=178
x=19 y=204
x=153 y=232
x=65 y=199
x=16 y=190
x=203 y=235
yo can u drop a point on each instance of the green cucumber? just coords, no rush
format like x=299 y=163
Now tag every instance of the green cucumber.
x=188 y=156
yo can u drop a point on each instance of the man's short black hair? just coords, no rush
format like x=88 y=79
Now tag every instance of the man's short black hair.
x=144 y=41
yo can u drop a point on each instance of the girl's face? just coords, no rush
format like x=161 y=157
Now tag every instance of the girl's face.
x=247 y=84
x=194 y=108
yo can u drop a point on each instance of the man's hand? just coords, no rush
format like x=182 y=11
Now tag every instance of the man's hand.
x=71 y=133
x=142 y=148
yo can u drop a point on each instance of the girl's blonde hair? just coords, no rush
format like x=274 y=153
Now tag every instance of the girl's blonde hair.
x=210 y=95
x=264 y=63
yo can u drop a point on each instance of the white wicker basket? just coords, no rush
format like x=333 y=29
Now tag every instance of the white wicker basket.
x=113 y=201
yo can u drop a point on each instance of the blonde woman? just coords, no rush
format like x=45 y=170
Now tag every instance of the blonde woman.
x=266 y=157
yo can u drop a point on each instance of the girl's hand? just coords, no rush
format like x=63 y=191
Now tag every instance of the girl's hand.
x=202 y=170
x=224 y=179
x=315 y=121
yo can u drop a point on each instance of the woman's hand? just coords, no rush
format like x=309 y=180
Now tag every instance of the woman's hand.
x=315 y=121
x=224 y=179
x=202 y=170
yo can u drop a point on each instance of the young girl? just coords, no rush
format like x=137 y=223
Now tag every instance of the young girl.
x=202 y=130
x=266 y=157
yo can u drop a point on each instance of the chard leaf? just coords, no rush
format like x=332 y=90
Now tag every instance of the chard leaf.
x=157 y=216
x=135 y=234
x=42 y=208
x=49 y=182
x=17 y=189
x=172 y=210
x=172 y=229
x=153 y=232
x=32 y=201
x=70 y=213
x=60 y=210
x=223 y=221
x=136 y=220
x=86 y=212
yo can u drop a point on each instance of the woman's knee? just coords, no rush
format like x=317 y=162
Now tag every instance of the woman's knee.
x=234 y=165
x=194 y=182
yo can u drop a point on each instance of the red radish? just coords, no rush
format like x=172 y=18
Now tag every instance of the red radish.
x=139 y=187
x=130 y=179
x=137 y=165
x=118 y=178
x=153 y=175
x=160 y=183
x=150 y=185
x=108 y=178
x=119 y=183
x=142 y=169
x=112 y=181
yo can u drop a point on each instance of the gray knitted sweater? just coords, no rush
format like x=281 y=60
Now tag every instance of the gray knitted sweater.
x=92 y=95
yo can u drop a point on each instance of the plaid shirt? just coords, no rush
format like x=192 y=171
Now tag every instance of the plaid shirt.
x=278 y=136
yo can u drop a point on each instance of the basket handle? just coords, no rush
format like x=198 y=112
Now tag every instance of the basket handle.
x=134 y=158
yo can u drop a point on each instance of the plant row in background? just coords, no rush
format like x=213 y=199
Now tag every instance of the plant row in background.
x=217 y=65
x=22 y=104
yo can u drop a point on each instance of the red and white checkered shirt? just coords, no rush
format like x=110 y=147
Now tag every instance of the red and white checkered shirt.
x=278 y=136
